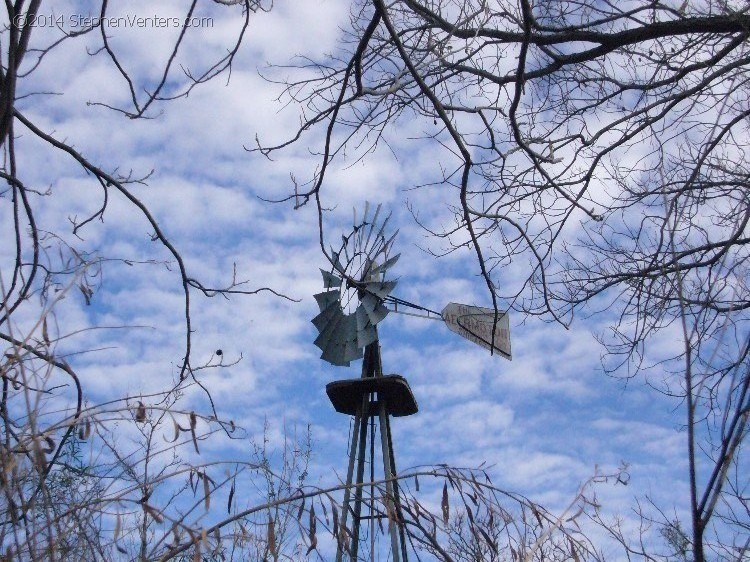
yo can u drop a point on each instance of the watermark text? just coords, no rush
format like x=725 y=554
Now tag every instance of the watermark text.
x=80 y=22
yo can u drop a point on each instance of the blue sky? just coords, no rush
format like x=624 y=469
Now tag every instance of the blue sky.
x=544 y=421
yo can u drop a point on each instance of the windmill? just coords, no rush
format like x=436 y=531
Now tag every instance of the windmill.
x=354 y=300
x=351 y=306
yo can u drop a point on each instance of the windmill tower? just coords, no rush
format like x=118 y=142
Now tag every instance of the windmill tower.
x=351 y=306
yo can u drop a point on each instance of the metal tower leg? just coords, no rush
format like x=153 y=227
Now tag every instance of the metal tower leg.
x=399 y=516
x=390 y=485
x=361 y=453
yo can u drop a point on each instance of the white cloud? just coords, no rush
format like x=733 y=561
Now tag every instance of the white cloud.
x=544 y=420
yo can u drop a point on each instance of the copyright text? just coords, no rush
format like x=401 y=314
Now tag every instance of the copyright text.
x=78 y=22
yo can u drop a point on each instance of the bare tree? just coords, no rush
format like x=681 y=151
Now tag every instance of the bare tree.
x=36 y=247
x=601 y=149
x=448 y=514
x=477 y=521
x=138 y=495
x=56 y=503
x=124 y=479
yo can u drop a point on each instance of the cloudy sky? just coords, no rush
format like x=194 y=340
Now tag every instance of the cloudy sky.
x=544 y=421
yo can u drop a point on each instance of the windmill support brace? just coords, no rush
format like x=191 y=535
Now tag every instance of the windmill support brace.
x=371 y=407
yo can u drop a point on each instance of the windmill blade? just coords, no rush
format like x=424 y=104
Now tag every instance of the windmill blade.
x=367 y=336
x=342 y=348
x=363 y=224
x=384 y=266
x=372 y=224
x=333 y=317
x=366 y=332
x=380 y=288
x=378 y=313
x=327 y=299
x=361 y=318
x=335 y=356
x=387 y=245
x=326 y=316
x=366 y=270
x=374 y=308
x=345 y=247
x=333 y=330
x=336 y=262
x=330 y=280
x=352 y=350
x=382 y=229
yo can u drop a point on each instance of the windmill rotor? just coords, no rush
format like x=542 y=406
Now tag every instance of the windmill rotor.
x=355 y=290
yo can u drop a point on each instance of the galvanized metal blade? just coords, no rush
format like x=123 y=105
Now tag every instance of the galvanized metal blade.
x=330 y=280
x=380 y=234
x=387 y=245
x=336 y=262
x=360 y=226
x=352 y=350
x=327 y=299
x=382 y=268
x=374 y=308
x=322 y=320
x=327 y=336
x=335 y=356
x=330 y=332
x=380 y=288
x=372 y=224
x=366 y=332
